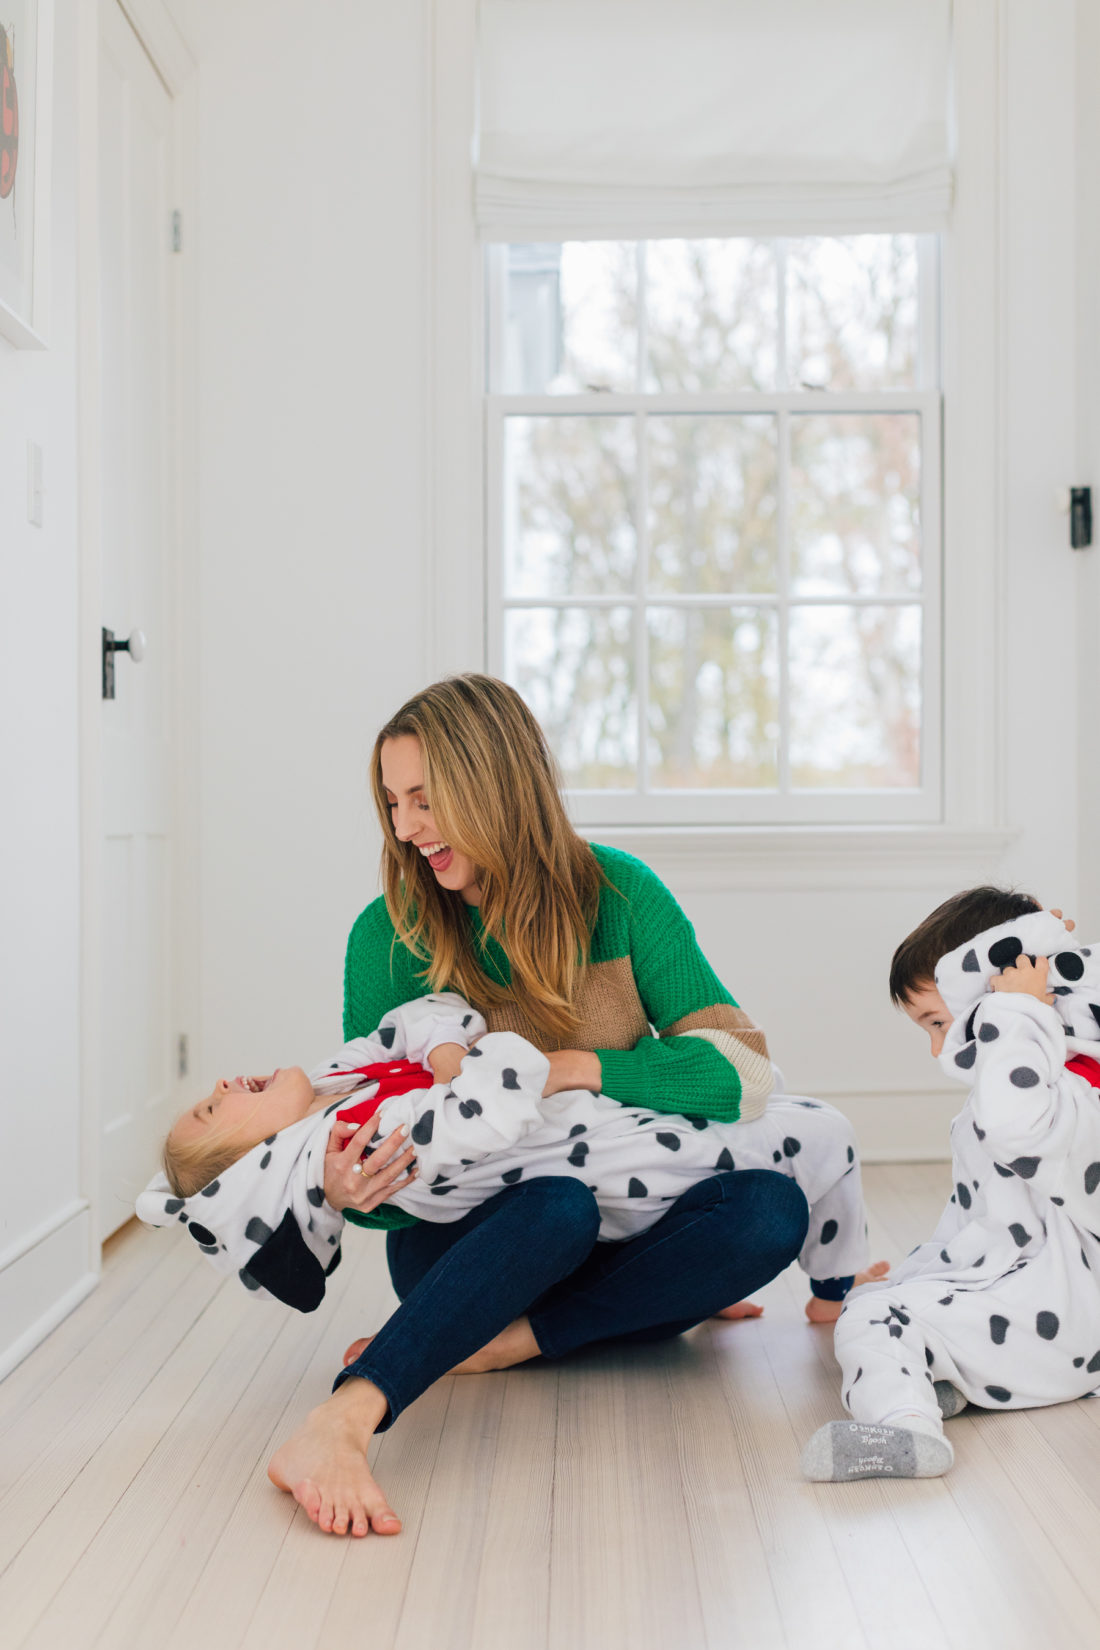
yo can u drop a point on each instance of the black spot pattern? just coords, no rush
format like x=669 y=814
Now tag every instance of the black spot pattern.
x=791 y=1146
x=578 y=1154
x=508 y=1078
x=265 y=1160
x=466 y=1018
x=966 y=1056
x=1000 y=1393
x=1077 y=1362
x=1092 y=1177
x=1095 y=1010
x=698 y=1122
x=1069 y=965
x=725 y=1162
x=578 y=1128
x=968 y=1034
x=979 y=1132
x=777 y=1157
x=1025 y=1167
x=928 y=1357
x=637 y=1188
x=470 y=1108
x=970 y=963
x=988 y=1032
x=963 y=1193
x=1058 y=1200
x=173 y=1205
x=945 y=1257
x=206 y=1239
x=1093 y=1364
x=1006 y=1174
x=423 y=1127
x=247 y=1279
x=851 y=1155
x=1020 y=1235
x=671 y=1142
x=473 y=1054
x=829 y=1231
x=257 y=1230
x=1023 y=1077
x=946 y=1300
x=386 y=1035
x=510 y=1176
x=1046 y=1325
x=1003 y=952
x=316 y=1195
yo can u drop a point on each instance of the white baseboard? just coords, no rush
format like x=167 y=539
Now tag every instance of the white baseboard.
x=909 y=1127
x=46 y=1276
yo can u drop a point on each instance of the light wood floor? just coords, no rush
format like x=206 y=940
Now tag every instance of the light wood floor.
x=650 y=1500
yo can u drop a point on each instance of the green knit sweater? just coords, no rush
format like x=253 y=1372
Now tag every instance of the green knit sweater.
x=645 y=974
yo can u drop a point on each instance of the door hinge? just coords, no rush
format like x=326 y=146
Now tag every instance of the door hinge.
x=183 y=1055
x=177 y=231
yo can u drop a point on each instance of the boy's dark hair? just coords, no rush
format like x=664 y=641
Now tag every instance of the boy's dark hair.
x=951 y=924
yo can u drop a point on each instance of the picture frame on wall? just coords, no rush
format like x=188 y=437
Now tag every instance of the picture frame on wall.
x=26 y=81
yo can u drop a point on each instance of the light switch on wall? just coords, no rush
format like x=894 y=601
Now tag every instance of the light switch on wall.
x=34 y=484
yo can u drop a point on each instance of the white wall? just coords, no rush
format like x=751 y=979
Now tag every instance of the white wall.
x=317 y=496
x=313 y=259
x=44 y=1229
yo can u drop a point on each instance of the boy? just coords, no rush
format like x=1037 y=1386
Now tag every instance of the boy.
x=246 y=1165
x=1001 y=1307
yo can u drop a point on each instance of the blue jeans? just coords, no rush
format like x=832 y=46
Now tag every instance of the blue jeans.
x=532 y=1249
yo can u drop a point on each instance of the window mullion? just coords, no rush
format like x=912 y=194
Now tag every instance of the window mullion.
x=641 y=633
x=783 y=517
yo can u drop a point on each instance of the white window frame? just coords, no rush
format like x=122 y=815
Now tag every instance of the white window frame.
x=683 y=806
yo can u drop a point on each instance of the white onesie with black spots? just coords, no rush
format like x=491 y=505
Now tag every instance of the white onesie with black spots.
x=1004 y=1298
x=491 y=1128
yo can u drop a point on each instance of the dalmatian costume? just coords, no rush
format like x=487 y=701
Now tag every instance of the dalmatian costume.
x=265 y=1219
x=1003 y=1301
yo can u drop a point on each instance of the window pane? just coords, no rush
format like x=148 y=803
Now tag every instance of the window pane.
x=852 y=312
x=855 y=504
x=575 y=669
x=571 y=318
x=711 y=315
x=569 y=506
x=712 y=503
x=713 y=698
x=855 y=696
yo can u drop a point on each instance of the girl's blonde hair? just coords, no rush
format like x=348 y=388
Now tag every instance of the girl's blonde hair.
x=495 y=795
x=191 y=1165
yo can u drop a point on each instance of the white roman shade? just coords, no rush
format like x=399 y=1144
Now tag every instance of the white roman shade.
x=634 y=118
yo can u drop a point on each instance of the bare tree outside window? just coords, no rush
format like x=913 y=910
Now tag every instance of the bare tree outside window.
x=709 y=549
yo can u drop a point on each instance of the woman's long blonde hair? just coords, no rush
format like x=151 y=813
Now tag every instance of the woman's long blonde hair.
x=494 y=792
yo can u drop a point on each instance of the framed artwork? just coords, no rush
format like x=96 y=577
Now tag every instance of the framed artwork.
x=26 y=79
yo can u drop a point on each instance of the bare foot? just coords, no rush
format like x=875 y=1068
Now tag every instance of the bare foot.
x=356 y=1349
x=324 y=1466
x=514 y=1345
x=741 y=1309
x=829 y=1311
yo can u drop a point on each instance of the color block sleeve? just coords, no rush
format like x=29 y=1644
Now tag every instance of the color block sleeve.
x=708 y=1058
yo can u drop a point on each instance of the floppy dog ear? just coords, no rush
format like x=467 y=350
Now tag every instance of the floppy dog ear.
x=287 y=1268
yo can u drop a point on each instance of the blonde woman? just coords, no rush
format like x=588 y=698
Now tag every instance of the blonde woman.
x=489 y=892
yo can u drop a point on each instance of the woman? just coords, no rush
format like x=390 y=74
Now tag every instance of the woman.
x=489 y=891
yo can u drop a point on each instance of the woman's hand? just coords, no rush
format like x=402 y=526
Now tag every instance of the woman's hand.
x=363 y=1185
x=573 y=1068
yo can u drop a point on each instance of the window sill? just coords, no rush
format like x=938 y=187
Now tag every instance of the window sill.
x=804 y=858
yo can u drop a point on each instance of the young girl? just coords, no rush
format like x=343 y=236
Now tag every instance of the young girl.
x=245 y=1168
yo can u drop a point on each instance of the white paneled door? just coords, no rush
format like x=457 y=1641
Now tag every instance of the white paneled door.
x=135 y=173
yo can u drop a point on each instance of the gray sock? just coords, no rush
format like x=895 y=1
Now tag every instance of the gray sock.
x=950 y=1400
x=851 y=1449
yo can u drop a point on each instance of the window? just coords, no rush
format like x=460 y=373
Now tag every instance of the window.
x=713 y=522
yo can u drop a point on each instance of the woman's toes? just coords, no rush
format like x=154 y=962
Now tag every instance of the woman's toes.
x=360 y=1524
x=356 y=1349
x=341 y=1518
x=326 y=1514
x=385 y=1522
